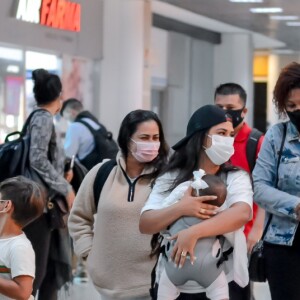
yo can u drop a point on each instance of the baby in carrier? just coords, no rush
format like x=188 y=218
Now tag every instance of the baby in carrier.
x=208 y=269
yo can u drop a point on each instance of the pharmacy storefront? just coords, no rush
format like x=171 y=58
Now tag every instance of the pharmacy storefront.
x=64 y=37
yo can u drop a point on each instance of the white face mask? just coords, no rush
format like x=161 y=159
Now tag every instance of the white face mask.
x=221 y=149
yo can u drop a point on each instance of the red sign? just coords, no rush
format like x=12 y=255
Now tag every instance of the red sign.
x=61 y=14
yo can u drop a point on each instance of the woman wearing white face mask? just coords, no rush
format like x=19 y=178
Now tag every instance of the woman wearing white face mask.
x=208 y=145
x=117 y=253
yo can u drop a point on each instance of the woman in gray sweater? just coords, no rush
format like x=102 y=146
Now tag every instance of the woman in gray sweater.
x=52 y=247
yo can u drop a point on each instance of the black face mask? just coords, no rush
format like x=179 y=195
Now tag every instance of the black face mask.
x=295 y=118
x=236 y=116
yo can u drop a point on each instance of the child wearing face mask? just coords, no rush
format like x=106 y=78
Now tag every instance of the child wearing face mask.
x=208 y=269
x=21 y=202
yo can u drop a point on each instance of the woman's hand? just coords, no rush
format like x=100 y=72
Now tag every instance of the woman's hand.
x=69 y=175
x=253 y=237
x=184 y=246
x=70 y=198
x=194 y=207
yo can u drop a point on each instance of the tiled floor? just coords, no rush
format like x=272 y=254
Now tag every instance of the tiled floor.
x=86 y=291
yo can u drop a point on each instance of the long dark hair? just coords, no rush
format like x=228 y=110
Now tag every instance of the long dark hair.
x=288 y=80
x=128 y=128
x=186 y=158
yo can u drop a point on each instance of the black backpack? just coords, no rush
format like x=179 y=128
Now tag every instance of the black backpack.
x=100 y=179
x=251 y=147
x=14 y=155
x=105 y=146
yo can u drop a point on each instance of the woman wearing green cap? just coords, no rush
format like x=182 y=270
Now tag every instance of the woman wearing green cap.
x=208 y=145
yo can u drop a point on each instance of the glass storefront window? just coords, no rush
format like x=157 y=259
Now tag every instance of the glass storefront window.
x=11 y=90
x=16 y=97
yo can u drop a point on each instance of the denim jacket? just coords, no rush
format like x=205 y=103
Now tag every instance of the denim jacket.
x=280 y=201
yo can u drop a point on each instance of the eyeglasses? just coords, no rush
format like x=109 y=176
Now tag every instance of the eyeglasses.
x=3 y=201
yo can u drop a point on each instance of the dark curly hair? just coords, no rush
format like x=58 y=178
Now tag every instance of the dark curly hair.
x=289 y=79
x=47 y=86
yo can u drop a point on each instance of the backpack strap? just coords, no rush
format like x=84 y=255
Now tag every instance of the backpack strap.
x=27 y=122
x=101 y=128
x=101 y=177
x=251 y=147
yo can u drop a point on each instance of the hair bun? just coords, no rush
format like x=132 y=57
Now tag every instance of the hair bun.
x=47 y=87
x=40 y=75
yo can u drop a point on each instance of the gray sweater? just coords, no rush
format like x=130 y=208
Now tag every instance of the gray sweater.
x=43 y=148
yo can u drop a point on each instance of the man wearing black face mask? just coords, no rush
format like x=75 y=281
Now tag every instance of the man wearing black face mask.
x=232 y=98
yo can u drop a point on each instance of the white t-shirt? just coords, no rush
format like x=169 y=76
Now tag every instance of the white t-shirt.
x=16 y=258
x=239 y=189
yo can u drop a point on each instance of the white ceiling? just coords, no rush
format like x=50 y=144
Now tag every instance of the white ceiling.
x=224 y=16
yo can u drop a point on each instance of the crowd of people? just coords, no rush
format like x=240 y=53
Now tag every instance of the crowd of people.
x=152 y=222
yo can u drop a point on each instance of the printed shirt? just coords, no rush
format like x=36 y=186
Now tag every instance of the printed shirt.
x=43 y=148
x=280 y=201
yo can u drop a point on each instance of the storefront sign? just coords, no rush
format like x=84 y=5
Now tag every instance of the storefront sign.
x=61 y=14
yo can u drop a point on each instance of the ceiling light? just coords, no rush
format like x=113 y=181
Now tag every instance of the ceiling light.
x=247 y=1
x=284 y=18
x=293 y=23
x=283 y=51
x=266 y=10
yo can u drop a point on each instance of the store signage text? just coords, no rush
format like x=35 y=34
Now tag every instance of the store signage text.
x=61 y=14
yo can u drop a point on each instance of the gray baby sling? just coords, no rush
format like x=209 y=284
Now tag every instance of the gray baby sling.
x=208 y=265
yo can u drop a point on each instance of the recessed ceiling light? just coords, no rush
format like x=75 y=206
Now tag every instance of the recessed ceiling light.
x=293 y=23
x=284 y=18
x=283 y=51
x=266 y=10
x=247 y=1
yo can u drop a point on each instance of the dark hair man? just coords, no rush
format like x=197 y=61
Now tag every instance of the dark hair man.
x=79 y=140
x=86 y=138
x=232 y=98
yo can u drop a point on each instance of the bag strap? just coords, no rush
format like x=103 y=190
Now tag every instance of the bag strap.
x=24 y=129
x=27 y=122
x=100 y=179
x=101 y=129
x=251 y=147
x=276 y=179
